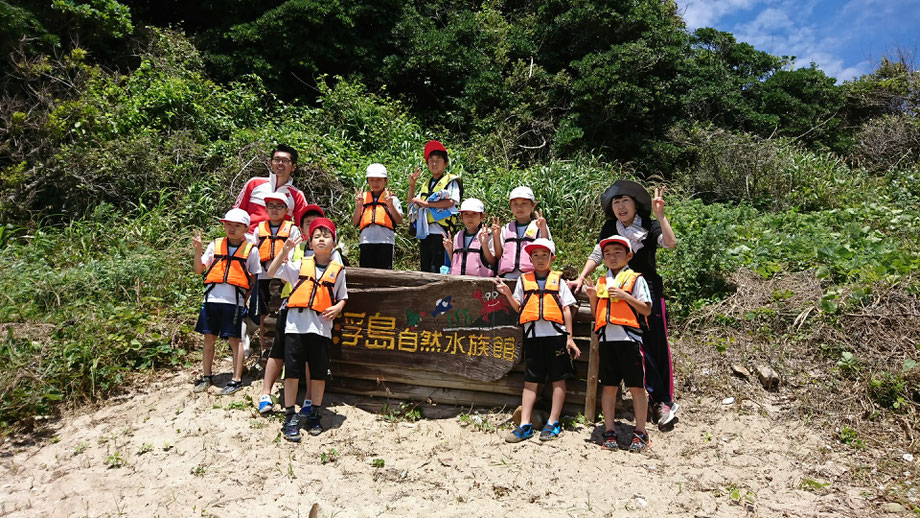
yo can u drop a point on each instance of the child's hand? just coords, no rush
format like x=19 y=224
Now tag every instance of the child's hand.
x=388 y=198
x=501 y=287
x=496 y=225
x=359 y=197
x=541 y=223
x=617 y=293
x=590 y=289
x=413 y=176
x=448 y=241
x=483 y=236
x=196 y=240
x=331 y=312
x=421 y=202
x=658 y=202
x=291 y=243
x=573 y=349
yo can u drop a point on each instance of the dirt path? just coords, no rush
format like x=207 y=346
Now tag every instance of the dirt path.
x=163 y=452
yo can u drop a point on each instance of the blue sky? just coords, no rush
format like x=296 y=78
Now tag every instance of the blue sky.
x=845 y=38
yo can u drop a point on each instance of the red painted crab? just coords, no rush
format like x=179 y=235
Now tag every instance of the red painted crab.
x=492 y=301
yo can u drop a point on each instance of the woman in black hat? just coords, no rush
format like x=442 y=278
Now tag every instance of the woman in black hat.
x=628 y=207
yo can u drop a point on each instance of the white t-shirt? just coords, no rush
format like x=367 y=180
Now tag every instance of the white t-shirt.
x=302 y=321
x=225 y=293
x=615 y=333
x=374 y=234
x=295 y=232
x=545 y=327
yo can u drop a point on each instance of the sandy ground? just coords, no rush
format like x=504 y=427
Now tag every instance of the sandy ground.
x=161 y=451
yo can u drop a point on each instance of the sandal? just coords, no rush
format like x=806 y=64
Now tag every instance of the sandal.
x=521 y=433
x=610 y=441
x=551 y=431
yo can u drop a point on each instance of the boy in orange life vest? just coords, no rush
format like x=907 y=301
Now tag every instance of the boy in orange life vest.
x=542 y=298
x=230 y=264
x=319 y=295
x=471 y=250
x=376 y=214
x=270 y=236
x=620 y=303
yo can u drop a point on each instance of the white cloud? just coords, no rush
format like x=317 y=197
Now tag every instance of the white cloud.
x=705 y=13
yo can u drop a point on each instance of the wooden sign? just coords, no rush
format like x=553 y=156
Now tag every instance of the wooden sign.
x=457 y=325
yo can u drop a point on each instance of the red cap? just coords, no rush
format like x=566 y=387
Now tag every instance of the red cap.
x=617 y=240
x=314 y=208
x=434 y=145
x=324 y=223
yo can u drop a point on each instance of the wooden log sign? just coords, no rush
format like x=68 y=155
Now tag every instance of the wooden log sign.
x=457 y=325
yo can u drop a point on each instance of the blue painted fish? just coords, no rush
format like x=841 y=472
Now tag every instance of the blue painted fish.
x=441 y=306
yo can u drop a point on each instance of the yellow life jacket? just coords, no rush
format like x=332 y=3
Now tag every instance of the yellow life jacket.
x=541 y=304
x=450 y=222
x=313 y=293
x=270 y=245
x=615 y=311
x=375 y=212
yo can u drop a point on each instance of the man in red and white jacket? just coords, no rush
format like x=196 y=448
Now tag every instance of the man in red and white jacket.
x=252 y=197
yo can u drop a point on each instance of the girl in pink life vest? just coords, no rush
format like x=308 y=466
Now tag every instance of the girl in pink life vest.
x=526 y=227
x=471 y=249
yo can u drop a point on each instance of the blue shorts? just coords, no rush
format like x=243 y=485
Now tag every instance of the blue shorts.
x=223 y=320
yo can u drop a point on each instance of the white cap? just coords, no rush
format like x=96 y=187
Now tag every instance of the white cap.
x=541 y=243
x=472 y=205
x=279 y=196
x=236 y=216
x=521 y=193
x=620 y=240
x=376 y=171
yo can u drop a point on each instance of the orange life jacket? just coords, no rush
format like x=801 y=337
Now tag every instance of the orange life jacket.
x=375 y=212
x=616 y=311
x=270 y=245
x=541 y=304
x=226 y=268
x=312 y=293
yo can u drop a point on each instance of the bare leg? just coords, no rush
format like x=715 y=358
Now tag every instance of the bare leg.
x=290 y=392
x=528 y=398
x=272 y=371
x=207 y=359
x=640 y=407
x=237 y=349
x=558 y=401
x=317 y=389
x=609 y=404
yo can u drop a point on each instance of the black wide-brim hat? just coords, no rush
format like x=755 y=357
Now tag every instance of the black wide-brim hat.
x=627 y=188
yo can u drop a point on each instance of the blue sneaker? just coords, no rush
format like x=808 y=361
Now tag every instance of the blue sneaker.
x=266 y=405
x=521 y=433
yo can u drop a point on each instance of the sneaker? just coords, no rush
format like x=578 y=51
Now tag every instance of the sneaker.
x=314 y=424
x=551 y=431
x=668 y=413
x=231 y=387
x=266 y=405
x=610 y=441
x=202 y=384
x=640 y=442
x=291 y=428
x=521 y=433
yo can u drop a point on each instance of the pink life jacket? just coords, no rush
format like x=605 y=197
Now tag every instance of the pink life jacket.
x=469 y=261
x=513 y=255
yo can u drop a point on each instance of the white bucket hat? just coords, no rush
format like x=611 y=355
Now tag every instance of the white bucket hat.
x=376 y=171
x=521 y=193
x=472 y=205
x=236 y=216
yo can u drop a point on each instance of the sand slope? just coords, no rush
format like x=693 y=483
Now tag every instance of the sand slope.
x=160 y=451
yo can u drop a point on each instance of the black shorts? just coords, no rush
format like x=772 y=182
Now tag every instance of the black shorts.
x=220 y=319
x=376 y=255
x=621 y=361
x=546 y=359
x=277 y=350
x=309 y=348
